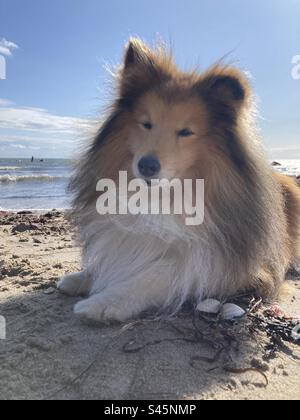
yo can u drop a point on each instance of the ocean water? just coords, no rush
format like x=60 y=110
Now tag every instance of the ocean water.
x=37 y=185
x=26 y=185
x=289 y=166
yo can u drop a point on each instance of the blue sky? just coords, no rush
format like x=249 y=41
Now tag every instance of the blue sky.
x=55 y=52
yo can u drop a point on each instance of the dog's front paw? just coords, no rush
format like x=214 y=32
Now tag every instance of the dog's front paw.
x=72 y=284
x=102 y=308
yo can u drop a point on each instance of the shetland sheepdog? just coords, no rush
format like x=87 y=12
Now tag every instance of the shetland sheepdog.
x=165 y=123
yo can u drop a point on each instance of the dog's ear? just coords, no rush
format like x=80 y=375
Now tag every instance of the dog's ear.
x=136 y=54
x=224 y=89
x=142 y=69
x=226 y=92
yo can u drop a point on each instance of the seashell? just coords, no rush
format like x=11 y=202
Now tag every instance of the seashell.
x=296 y=320
x=231 y=311
x=209 y=306
x=296 y=333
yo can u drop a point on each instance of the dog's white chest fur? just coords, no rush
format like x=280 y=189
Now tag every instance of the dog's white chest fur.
x=134 y=264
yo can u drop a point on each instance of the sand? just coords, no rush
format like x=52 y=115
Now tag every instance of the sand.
x=51 y=354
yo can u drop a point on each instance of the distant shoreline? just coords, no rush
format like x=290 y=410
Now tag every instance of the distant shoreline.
x=35 y=212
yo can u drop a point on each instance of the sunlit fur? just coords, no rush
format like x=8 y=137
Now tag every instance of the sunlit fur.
x=250 y=235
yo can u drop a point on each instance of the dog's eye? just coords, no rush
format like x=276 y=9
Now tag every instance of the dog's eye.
x=186 y=132
x=147 y=125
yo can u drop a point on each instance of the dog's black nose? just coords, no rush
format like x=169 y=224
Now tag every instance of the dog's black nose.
x=148 y=166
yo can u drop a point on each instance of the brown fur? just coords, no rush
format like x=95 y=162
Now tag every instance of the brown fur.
x=253 y=215
x=291 y=193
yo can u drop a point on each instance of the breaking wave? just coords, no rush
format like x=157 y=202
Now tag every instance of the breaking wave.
x=9 y=168
x=6 y=179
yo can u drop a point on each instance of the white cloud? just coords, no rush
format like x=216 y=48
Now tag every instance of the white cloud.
x=18 y=146
x=7 y=47
x=30 y=129
x=292 y=152
x=7 y=139
x=39 y=120
x=5 y=102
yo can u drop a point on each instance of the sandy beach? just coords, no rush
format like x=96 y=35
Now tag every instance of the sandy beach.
x=50 y=354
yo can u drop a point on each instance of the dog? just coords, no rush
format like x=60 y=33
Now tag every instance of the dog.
x=165 y=123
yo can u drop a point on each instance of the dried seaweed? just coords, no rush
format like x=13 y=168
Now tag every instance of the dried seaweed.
x=220 y=337
x=133 y=347
x=223 y=338
x=240 y=371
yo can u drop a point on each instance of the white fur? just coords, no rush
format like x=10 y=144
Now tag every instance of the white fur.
x=75 y=284
x=134 y=267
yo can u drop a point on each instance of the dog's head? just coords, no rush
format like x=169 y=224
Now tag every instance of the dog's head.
x=171 y=124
